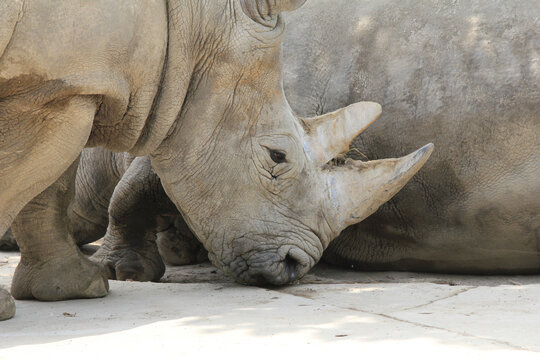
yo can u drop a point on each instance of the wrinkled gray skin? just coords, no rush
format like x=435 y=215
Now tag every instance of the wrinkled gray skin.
x=197 y=86
x=465 y=75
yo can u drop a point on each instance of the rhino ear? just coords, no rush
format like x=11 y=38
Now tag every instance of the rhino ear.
x=264 y=11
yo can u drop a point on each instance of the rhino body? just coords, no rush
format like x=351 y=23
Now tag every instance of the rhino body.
x=120 y=200
x=7 y=305
x=466 y=76
x=196 y=86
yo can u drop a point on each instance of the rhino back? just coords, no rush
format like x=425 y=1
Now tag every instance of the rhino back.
x=463 y=75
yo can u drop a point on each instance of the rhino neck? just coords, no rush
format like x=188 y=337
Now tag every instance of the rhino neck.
x=192 y=26
x=174 y=83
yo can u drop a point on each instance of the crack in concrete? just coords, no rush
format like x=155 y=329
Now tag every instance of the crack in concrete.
x=426 y=326
x=461 y=333
x=455 y=293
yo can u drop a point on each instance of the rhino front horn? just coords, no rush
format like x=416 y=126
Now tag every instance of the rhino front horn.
x=358 y=189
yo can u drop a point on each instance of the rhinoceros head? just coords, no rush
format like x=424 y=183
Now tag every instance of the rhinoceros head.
x=255 y=183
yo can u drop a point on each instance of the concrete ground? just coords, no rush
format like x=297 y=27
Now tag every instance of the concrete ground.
x=198 y=313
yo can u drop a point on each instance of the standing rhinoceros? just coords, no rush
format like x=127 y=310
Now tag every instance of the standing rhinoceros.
x=197 y=86
x=465 y=75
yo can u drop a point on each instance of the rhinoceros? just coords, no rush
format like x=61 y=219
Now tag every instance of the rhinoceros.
x=465 y=75
x=8 y=242
x=197 y=86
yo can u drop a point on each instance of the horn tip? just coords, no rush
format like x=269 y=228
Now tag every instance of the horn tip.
x=420 y=156
x=426 y=150
x=427 y=147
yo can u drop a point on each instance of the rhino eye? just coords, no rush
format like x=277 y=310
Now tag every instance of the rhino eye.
x=278 y=156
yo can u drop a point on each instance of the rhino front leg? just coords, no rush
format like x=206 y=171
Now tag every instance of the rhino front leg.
x=52 y=266
x=129 y=250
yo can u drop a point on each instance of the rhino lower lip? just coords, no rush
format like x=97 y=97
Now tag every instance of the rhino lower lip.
x=290 y=267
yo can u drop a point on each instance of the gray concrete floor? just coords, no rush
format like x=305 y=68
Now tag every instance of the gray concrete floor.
x=198 y=313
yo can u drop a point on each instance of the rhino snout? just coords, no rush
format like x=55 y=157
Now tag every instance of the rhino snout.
x=269 y=267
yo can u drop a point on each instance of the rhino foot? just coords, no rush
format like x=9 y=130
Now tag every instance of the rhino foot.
x=61 y=278
x=131 y=263
x=7 y=305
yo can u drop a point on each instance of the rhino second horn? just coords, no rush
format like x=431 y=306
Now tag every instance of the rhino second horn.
x=358 y=189
x=331 y=134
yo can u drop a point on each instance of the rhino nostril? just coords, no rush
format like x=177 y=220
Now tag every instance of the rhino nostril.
x=290 y=265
